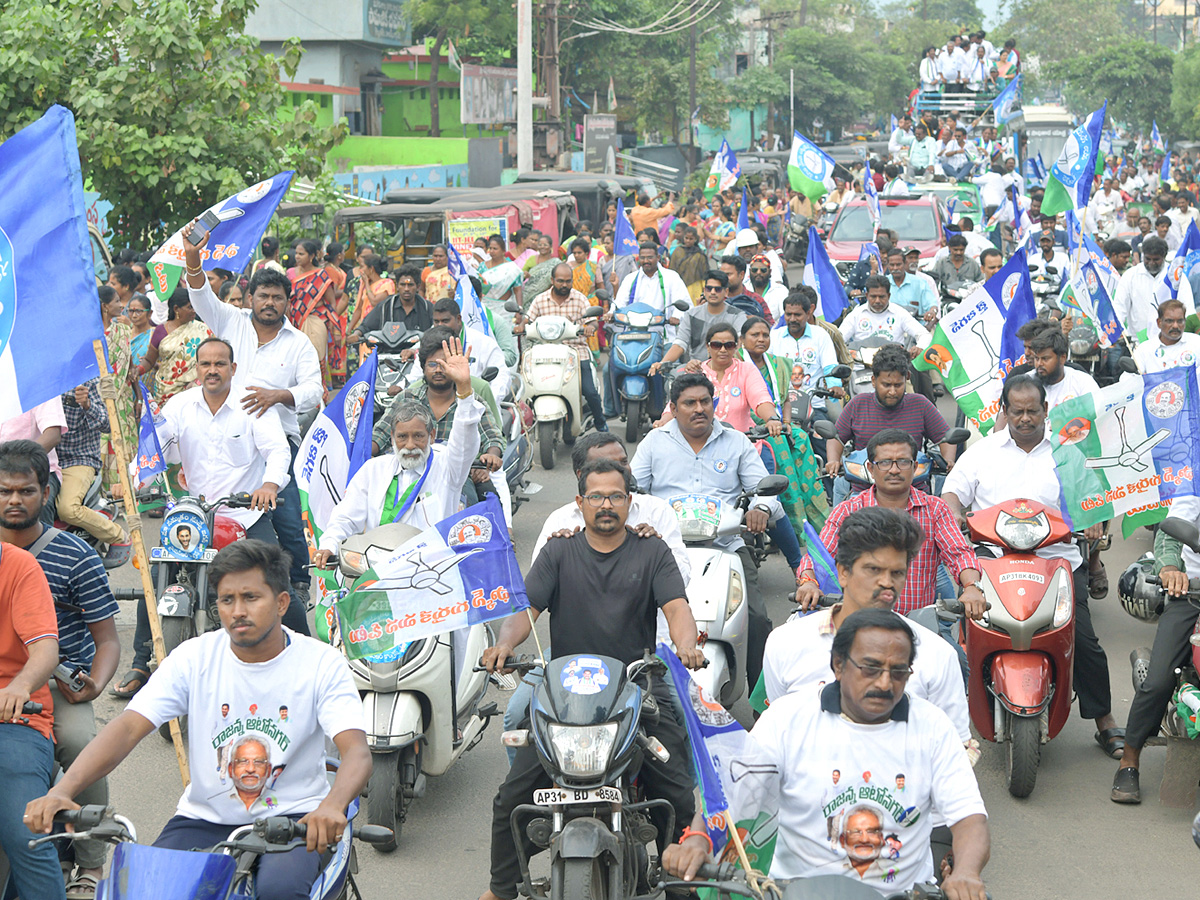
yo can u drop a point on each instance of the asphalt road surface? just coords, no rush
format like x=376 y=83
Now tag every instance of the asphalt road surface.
x=1067 y=840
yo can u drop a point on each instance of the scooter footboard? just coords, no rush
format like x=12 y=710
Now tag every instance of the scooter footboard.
x=1022 y=681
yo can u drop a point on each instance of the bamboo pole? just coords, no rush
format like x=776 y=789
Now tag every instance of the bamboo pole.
x=108 y=390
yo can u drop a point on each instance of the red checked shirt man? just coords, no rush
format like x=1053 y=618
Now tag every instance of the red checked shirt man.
x=891 y=458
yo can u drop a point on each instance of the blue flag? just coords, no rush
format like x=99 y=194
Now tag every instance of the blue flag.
x=232 y=242
x=893 y=124
x=950 y=204
x=459 y=572
x=1087 y=283
x=822 y=277
x=743 y=212
x=1165 y=172
x=624 y=240
x=149 y=460
x=1016 y=298
x=871 y=249
x=872 y=197
x=456 y=265
x=1156 y=141
x=1007 y=105
x=49 y=318
x=1074 y=231
x=473 y=313
x=1185 y=259
x=823 y=566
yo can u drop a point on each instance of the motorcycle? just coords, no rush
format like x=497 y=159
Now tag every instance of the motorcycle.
x=591 y=743
x=795 y=243
x=1020 y=652
x=633 y=352
x=227 y=871
x=1044 y=281
x=422 y=710
x=864 y=355
x=515 y=420
x=551 y=370
x=395 y=373
x=716 y=592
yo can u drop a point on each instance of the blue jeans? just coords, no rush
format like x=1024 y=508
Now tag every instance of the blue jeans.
x=958 y=173
x=518 y=703
x=841 y=489
x=281 y=876
x=26 y=763
x=289 y=526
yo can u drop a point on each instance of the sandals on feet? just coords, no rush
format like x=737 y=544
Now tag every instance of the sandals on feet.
x=82 y=887
x=131 y=682
x=1098 y=584
x=1112 y=742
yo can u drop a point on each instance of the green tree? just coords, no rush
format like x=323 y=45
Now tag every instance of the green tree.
x=175 y=106
x=495 y=27
x=830 y=86
x=1133 y=76
x=1053 y=30
x=1185 y=91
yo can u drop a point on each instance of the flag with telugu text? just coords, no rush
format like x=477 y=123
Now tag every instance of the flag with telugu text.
x=724 y=172
x=1069 y=186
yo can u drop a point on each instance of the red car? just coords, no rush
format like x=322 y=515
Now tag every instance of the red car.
x=918 y=221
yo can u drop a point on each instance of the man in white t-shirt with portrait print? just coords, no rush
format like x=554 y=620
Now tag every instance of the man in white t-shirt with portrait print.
x=878 y=738
x=242 y=677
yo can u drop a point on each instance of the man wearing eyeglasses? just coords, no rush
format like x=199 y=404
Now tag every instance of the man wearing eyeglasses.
x=695 y=322
x=602 y=587
x=874 y=553
x=869 y=725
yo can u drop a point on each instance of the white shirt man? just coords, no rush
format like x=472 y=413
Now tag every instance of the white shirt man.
x=226 y=452
x=286 y=362
x=951 y=63
x=1139 y=294
x=995 y=469
x=658 y=290
x=993 y=187
x=1152 y=355
x=436 y=488
x=486 y=354
x=929 y=72
x=832 y=775
x=902 y=137
x=797 y=661
x=1074 y=383
x=812 y=355
x=894 y=323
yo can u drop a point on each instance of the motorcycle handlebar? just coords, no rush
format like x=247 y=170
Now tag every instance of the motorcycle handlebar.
x=522 y=664
x=282 y=830
x=714 y=871
x=129 y=594
x=84 y=819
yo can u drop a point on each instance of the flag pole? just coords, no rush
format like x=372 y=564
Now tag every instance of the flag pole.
x=108 y=390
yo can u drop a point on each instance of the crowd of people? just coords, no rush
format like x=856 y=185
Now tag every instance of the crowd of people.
x=237 y=364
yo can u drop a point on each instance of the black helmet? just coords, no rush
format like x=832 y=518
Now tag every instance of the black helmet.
x=1141 y=600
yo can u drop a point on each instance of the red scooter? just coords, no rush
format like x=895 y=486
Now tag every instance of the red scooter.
x=1021 y=651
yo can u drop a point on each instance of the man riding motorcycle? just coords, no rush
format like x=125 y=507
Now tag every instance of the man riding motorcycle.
x=913 y=773
x=634 y=577
x=246 y=760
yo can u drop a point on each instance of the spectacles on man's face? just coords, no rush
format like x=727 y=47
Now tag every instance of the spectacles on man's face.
x=598 y=500
x=722 y=345
x=902 y=464
x=714 y=288
x=896 y=673
x=756 y=270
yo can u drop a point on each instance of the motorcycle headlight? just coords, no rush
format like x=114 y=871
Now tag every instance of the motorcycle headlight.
x=1023 y=533
x=1080 y=347
x=736 y=593
x=1063 y=602
x=583 y=751
x=553 y=330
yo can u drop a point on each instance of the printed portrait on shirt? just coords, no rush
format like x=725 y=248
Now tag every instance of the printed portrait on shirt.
x=866 y=820
x=249 y=754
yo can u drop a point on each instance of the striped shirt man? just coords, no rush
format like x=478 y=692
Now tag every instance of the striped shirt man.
x=82 y=595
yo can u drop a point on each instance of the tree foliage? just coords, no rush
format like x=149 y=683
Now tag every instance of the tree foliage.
x=1133 y=76
x=1185 y=91
x=1052 y=30
x=175 y=107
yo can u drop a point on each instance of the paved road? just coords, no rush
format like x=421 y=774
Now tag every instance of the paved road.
x=1067 y=840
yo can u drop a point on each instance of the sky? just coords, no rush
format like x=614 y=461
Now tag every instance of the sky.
x=990 y=10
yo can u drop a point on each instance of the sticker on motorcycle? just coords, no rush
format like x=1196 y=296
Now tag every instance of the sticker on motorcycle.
x=697 y=507
x=585 y=675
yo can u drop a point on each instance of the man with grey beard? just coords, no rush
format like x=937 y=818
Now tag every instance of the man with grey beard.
x=419 y=483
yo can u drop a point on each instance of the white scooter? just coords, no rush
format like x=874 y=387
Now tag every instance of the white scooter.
x=717 y=589
x=551 y=370
x=421 y=700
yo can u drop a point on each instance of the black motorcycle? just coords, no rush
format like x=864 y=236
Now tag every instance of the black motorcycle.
x=587 y=722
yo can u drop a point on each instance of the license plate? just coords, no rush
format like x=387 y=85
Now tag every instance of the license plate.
x=561 y=796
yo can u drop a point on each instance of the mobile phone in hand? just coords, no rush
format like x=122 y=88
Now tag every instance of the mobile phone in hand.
x=203 y=226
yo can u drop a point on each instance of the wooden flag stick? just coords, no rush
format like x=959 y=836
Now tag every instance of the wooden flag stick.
x=108 y=390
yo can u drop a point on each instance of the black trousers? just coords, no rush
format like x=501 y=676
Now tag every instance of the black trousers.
x=671 y=781
x=1172 y=649
x=1091 y=665
x=759 y=622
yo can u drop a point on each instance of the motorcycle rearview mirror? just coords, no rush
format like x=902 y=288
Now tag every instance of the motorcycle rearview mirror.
x=772 y=485
x=490 y=373
x=603 y=296
x=1126 y=364
x=956 y=436
x=681 y=305
x=1183 y=531
x=512 y=306
x=824 y=429
x=592 y=311
x=840 y=372
x=1051 y=270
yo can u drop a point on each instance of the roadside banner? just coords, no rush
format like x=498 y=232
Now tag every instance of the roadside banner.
x=458 y=573
x=461 y=234
x=232 y=242
x=1129 y=448
x=49 y=318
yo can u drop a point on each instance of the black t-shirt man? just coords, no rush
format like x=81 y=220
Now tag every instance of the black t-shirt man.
x=603 y=603
x=392 y=310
